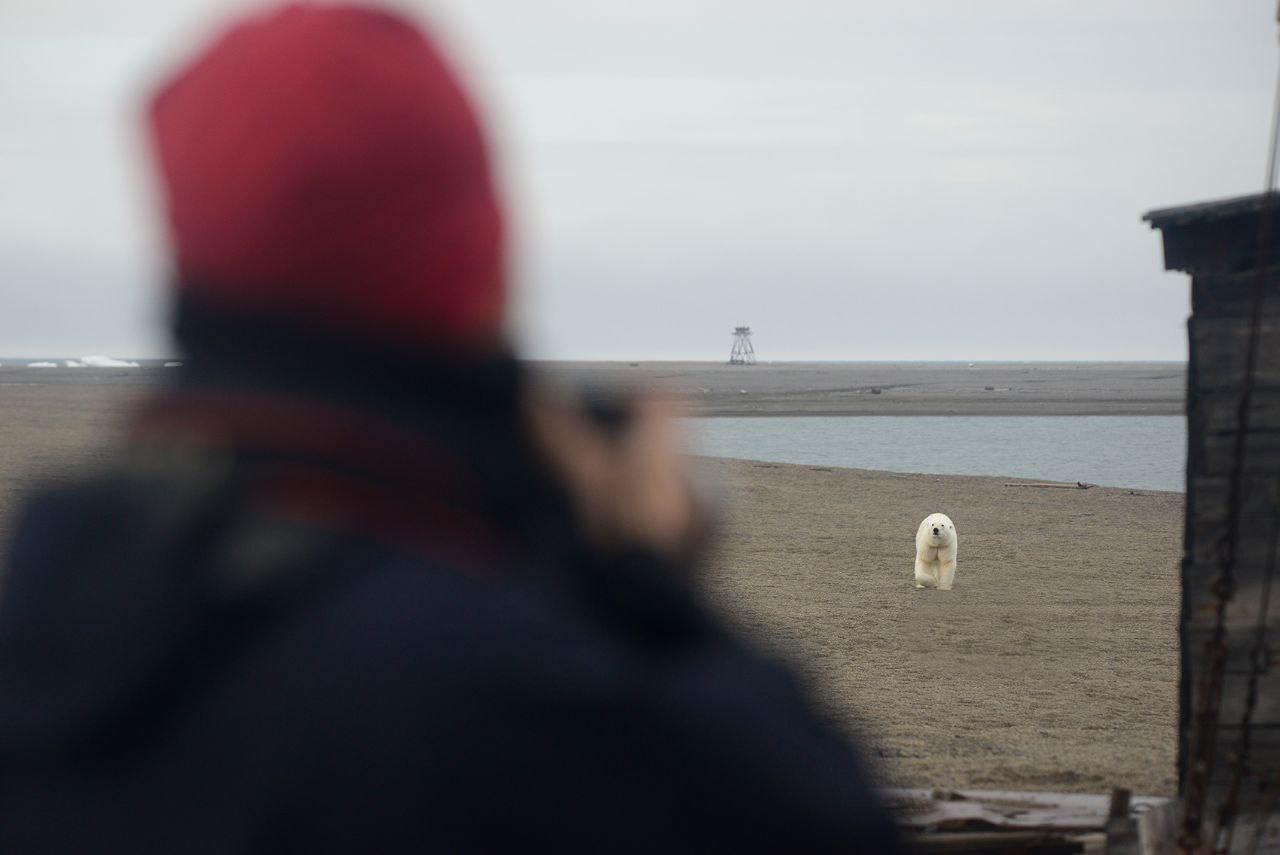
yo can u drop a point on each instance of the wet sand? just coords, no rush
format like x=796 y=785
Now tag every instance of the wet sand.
x=1051 y=665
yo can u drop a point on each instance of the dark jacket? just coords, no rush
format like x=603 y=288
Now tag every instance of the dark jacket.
x=333 y=604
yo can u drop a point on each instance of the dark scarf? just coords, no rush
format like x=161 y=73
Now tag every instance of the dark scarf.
x=402 y=444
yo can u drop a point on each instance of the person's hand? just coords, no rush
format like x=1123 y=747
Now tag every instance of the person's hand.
x=628 y=483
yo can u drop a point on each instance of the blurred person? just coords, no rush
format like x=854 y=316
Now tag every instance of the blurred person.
x=354 y=581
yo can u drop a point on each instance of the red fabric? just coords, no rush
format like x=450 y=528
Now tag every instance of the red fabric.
x=322 y=162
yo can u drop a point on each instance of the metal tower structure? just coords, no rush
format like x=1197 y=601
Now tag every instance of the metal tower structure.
x=743 y=353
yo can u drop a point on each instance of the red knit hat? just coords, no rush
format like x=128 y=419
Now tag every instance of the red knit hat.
x=322 y=163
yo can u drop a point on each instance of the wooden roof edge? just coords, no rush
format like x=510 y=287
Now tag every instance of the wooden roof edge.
x=1213 y=209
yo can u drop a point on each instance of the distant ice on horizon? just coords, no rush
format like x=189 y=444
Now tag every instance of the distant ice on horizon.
x=173 y=365
x=99 y=361
x=95 y=361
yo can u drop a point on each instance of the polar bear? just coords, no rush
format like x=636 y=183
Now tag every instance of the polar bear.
x=936 y=545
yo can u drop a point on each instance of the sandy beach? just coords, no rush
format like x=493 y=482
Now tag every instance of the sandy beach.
x=1053 y=663
x=48 y=428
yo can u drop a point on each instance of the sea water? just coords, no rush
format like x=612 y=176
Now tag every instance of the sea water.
x=1145 y=452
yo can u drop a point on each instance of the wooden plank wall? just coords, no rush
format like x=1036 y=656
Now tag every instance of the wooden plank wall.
x=1219 y=330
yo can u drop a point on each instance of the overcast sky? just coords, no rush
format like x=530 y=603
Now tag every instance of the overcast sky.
x=916 y=179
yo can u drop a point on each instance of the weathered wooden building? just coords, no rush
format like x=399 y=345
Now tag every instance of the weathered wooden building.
x=1229 y=738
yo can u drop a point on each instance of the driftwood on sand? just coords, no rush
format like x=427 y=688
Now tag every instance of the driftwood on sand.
x=1078 y=485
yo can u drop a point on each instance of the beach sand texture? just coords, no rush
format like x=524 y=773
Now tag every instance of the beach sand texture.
x=47 y=431
x=1051 y=665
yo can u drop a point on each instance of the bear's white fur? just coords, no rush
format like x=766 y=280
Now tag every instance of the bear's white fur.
x=936 y=545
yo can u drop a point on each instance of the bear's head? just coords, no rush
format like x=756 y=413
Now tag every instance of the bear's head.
x=939 y=530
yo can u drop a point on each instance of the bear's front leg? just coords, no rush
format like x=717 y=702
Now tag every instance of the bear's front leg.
x=924 y=576
x=946 y=574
